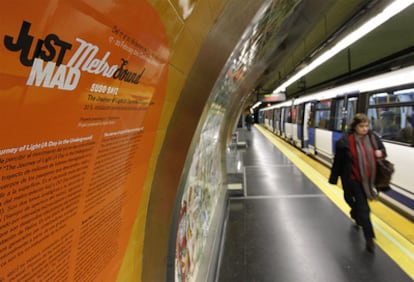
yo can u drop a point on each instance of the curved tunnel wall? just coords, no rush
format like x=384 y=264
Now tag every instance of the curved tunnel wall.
x=212 y=57
x=200 y=133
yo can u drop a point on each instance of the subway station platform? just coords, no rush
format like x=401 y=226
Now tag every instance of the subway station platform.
x=287 y=223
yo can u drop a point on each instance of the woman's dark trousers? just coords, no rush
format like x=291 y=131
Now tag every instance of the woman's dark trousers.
x=360 y=209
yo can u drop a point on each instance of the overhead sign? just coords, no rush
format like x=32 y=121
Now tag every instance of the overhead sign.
x=274 y=97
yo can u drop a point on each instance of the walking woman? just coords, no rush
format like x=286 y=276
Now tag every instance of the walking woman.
x=354 y=162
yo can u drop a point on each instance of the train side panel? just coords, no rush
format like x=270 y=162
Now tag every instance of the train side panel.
x=402 y=157
x=288 y=131
x=323 y=145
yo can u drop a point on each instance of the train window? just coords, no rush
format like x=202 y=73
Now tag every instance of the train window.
x=324 y=105
x=382 y=98
x=352 y=107
x=277 y=114
x=322 y=114
x=344 y=112
x=392 y=116
x=393 y=123
x=405 y=95
x=406 y=134
x=299 y=114
x=294 y=114
x=339 y=109
x=400 y=96
x=311 y=116
x=261 y=119
x=373 y=116
x=287 y=114
x=277 y=121
x=387 y=125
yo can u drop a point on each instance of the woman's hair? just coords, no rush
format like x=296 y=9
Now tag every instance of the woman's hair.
x=358 y=118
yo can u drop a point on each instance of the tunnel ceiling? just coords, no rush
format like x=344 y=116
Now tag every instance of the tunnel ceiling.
x=315 y=26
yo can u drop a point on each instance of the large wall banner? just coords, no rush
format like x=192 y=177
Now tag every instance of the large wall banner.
x=82 y=84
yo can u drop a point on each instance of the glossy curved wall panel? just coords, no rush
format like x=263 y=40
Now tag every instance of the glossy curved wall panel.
x=203 y=184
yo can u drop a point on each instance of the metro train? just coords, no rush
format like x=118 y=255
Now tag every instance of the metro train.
x=314 y=122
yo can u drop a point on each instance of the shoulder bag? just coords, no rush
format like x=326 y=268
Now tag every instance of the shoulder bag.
x=384 y=172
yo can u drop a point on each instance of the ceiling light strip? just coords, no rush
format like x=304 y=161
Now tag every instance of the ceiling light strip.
x=391 y=10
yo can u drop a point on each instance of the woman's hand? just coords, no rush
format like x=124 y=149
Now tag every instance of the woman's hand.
x=379 y=154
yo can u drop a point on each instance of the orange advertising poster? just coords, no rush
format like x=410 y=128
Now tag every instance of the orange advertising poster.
x=82 y=83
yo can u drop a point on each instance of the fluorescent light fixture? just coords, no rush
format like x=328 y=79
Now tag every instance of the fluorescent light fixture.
x=380 y=95
x=405 y=91
x=256 y=105
x=399 y=77
x=391 y=10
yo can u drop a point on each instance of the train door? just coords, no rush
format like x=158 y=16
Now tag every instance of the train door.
x=352 y=106
x=271 y=123
x=298 y=125
x=294 y=136
x=267 y=119
x=306 y=125
x=345 y=108
x=288 y=124
x=323 y=132
x=276 y=121
x=283 y=119
x=311 y=108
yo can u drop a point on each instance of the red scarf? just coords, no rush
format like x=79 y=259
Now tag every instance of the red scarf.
x=355 y=175
x=363 y=163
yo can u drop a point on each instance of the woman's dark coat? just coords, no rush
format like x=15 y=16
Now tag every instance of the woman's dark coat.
x=342 y=164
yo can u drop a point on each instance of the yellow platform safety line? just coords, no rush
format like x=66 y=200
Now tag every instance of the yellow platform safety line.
x=394 y=236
